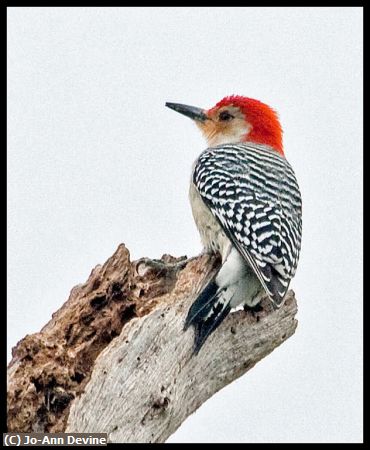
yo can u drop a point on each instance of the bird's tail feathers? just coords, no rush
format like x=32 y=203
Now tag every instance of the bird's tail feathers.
x=204 y=328
x=202 y=305
x=207 y=312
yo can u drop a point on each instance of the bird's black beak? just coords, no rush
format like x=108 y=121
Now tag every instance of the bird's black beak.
x=190 y=111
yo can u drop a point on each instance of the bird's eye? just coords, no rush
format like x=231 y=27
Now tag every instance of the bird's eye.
x=225 y=116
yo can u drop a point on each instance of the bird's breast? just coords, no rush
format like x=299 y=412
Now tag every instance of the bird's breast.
x=212 y=236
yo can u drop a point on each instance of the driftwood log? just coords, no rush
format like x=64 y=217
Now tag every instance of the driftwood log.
x=114 y=358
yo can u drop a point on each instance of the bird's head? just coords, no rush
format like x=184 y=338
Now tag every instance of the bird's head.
x=236 y=119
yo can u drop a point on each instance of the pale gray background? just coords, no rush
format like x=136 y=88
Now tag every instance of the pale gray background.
x=95 y=159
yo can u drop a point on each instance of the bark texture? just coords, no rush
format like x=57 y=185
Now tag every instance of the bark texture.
x=114 y=358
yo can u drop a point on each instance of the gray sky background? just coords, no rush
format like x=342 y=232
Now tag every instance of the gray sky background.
x=95 y=159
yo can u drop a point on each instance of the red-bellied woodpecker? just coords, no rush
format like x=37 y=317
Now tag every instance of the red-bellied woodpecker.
x=247 y=206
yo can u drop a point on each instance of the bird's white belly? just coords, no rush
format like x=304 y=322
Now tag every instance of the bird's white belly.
x=212 y=236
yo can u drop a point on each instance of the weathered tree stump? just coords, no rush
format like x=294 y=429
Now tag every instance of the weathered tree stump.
x=114 y=358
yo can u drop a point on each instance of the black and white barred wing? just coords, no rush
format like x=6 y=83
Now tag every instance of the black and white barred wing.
x=253 y=193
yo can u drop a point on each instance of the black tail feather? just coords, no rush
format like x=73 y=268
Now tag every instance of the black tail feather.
x=205 y=328
x=206 y=313
x=202 y=305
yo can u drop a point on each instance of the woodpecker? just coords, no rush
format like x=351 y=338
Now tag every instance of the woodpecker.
x=247 y=206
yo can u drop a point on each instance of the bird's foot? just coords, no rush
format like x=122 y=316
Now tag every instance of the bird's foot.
x=254 y=310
